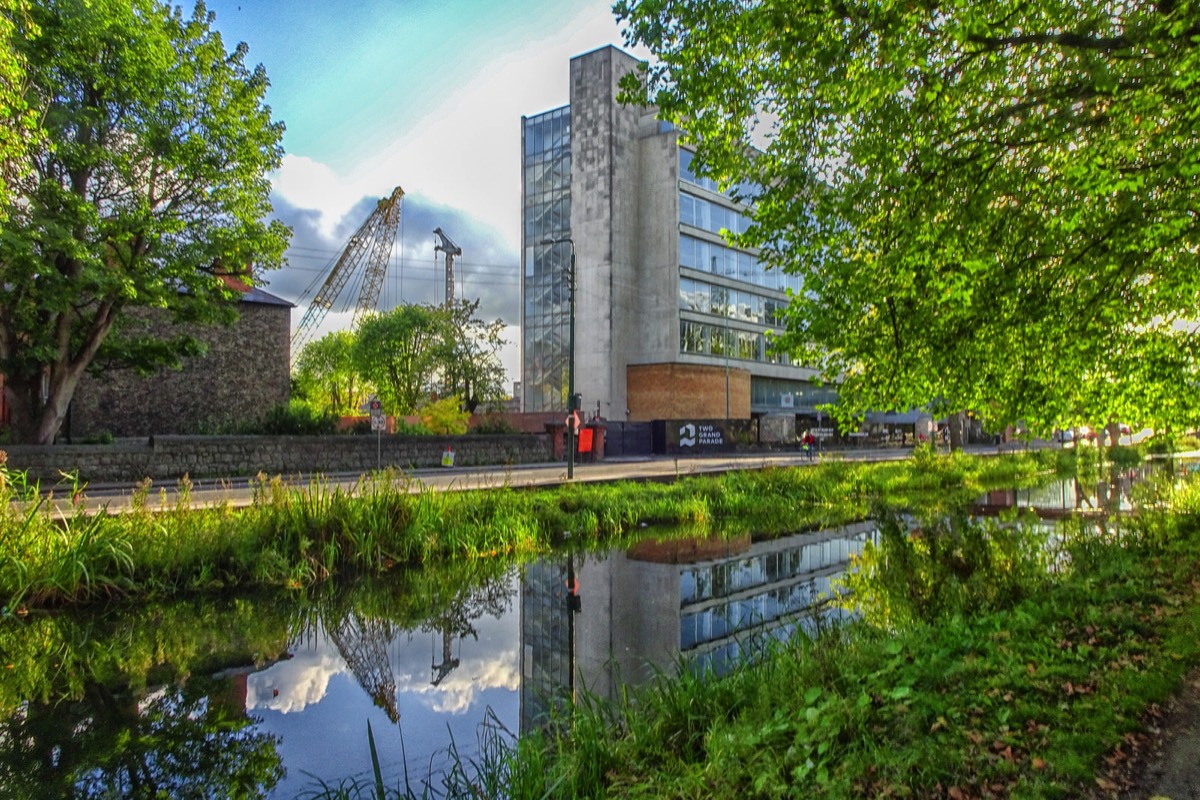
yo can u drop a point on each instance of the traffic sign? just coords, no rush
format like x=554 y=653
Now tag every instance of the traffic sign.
x=376 y=408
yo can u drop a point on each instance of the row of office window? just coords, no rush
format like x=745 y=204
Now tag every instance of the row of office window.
x=723 y=658
x=717 y=340
x=707 y=298
x=718 y=259
x=731 y=617
x=742 y=190
x=709 y=216
x=711 y=581
x=780 y=392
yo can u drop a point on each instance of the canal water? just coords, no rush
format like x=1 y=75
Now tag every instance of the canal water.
x=271 y=696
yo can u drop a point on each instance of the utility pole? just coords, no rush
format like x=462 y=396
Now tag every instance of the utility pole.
x=571 y=410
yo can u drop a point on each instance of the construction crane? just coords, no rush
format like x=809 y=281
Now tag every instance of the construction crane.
x=362 y=642
x=367 y=251
x=452 y=251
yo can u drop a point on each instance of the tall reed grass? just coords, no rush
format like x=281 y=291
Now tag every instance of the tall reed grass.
x=299 y=535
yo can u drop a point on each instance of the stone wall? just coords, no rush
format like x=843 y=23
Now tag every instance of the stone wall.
x=243 y=375
x=170 y=457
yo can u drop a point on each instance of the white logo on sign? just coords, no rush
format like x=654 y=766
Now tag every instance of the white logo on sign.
x=687 y=435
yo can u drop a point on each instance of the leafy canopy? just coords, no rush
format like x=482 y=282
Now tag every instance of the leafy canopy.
x=18 y=122
x=325 y=374
x=416 y=353
x=993 y=205
x=150 y=185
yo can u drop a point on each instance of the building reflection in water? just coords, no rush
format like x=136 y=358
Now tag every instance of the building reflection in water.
x=593 y=623
x=1109 y=494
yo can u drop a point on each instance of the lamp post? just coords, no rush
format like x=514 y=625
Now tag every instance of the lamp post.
x=570 y=359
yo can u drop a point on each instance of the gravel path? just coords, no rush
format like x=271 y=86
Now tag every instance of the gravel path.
x=1170 y=767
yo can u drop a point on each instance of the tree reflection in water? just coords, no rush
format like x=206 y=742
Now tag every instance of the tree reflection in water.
x=149 y=700
x=193 y=741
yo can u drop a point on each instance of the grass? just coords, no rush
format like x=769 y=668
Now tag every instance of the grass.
x=299 y=536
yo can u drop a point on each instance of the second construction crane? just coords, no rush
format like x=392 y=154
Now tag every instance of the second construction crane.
x=452 y=251
x=368 y=250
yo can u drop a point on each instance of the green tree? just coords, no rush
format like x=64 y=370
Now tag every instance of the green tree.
x=416 y=352
x=19 y=128
x=992 y=205
x=151 y=185
x=471 y=367
x=400 y=353
x=326 y=374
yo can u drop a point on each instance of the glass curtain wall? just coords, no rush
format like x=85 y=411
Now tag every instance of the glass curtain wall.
x=546 y=214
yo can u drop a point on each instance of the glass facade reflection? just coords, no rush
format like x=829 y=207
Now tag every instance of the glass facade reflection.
x=546 y=658
x=729 y=608
x=546 y=193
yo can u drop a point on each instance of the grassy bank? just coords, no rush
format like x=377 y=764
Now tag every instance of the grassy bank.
x=990 y=661
x=299 y=536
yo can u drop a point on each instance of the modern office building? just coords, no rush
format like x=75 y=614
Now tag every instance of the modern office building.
x=670 y=321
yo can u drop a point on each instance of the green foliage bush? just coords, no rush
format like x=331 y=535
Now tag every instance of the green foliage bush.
x=494 y=425
x=405 y=428
x=1167 y=443
x=445 y=417
x=294 y=419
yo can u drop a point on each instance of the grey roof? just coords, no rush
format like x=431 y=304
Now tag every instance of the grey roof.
x=256 y=295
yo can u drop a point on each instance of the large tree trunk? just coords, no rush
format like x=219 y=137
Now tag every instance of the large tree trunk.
x=37 y=421
x=1114 y=433
x=31 y=420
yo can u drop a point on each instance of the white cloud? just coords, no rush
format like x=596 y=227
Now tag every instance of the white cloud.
x=456 y=694
x=464 y=153
x=297 y=683
x=309 y=184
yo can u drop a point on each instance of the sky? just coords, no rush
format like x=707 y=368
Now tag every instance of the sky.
x=423 y=94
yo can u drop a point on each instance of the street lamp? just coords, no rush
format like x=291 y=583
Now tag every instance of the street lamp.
x=570 y=359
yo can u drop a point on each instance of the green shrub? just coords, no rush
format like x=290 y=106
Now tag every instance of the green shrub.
x=1124 y=456
x=294 y=419
x=495 y=424
x=404 y=428
x=445 y=417
x=1165 y=443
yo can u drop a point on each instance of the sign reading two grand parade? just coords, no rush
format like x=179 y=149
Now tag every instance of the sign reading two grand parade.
x=697 y=436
